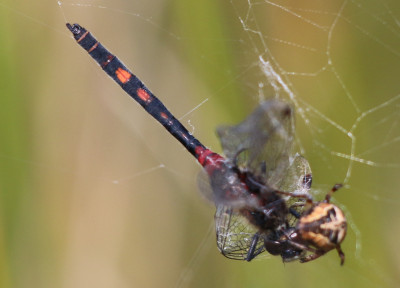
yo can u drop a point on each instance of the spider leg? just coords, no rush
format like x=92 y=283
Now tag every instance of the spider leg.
x=301 y=196
x=319 y=253
x=302 y=247
x=298 y=204
x=341 y=254
x=333 y=190
x=267 y=189
x=260 y=186
x=312 y=257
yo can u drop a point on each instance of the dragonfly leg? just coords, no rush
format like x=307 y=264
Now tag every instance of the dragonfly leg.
x=252 y=253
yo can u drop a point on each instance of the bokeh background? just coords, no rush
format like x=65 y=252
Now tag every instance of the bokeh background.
x=94 y=193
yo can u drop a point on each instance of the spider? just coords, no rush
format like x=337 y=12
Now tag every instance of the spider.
x=263 y=216
x=321 y=228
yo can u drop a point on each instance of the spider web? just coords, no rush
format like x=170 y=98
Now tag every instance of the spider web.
x=95 y=187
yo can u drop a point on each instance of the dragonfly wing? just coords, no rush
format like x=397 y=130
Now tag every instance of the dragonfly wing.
x=261 y=144
x=297 y=180
x=263 y=141
x=235 y=235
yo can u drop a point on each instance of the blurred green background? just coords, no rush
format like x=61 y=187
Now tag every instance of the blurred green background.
x=94 y=193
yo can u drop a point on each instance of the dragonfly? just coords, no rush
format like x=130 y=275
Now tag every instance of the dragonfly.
x=260 y=188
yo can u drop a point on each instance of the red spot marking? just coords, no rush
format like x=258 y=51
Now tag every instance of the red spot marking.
x=93 y=47
x=143 y=95
x=165 y=117
x=110 y=57
x=123 y=75
x=201 y=154
x=82 y=37
x=208 y=158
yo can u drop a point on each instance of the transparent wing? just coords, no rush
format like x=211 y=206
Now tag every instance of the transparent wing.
x=234 y=234
x=262 y=143
x=297 y=177
x=203 y=183
x=297 y=180
x=224 y=187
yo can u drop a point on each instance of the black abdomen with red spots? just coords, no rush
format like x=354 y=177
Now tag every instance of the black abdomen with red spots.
x=138 y=91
